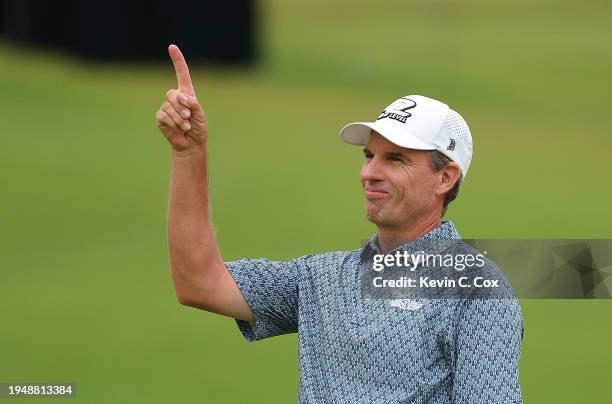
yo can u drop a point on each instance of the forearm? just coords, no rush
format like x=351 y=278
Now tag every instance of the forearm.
x=194 y=255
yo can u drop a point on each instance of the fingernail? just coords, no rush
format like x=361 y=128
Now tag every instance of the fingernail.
x=186 y=126
x=183 y=99
x=185 y=113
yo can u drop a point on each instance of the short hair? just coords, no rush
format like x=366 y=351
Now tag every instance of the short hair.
x=439 y=161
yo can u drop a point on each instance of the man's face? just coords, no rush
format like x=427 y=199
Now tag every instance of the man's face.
x=399 y=184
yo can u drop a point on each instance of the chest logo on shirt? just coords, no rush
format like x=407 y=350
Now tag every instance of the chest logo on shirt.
x=406 y=304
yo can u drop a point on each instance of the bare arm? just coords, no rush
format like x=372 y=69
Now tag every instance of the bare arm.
x=200 y=277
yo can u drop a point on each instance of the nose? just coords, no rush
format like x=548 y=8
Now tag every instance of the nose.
x=372 y=171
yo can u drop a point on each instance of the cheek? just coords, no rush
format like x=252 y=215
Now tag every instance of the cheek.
x=410 y=183
x=404 y=181
x=400 y=184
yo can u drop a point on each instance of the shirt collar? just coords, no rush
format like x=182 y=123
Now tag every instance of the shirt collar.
x=446 y=231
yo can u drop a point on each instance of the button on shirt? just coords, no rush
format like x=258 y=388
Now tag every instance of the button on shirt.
x=354 y=350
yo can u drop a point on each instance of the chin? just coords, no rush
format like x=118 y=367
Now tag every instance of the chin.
x=375 y=218
x=381 y=220
x=373 y=211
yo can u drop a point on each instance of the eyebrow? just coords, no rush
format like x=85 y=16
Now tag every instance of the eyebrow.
x=387 y=154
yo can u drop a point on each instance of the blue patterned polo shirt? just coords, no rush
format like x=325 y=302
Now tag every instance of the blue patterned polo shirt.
x=356 y=350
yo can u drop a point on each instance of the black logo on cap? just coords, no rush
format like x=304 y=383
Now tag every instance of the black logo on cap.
x=451 y=146
x=398 y=110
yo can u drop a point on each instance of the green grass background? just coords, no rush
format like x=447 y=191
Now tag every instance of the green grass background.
x=85 y=285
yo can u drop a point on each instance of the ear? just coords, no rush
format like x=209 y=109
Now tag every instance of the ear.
x=449 y=175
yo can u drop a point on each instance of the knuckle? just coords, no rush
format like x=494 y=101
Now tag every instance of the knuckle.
x=167 y=121
x=160 y=120
x=162 y=115
x=172 y=112
x=168 y=109
x=181 y=99
x=176 y=100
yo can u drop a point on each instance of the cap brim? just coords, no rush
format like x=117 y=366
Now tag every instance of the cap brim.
x=359 y=133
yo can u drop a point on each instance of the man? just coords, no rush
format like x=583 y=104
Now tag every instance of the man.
x=352 y=349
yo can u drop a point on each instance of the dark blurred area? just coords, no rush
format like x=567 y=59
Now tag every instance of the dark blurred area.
x=86 y=294
x=210 y=31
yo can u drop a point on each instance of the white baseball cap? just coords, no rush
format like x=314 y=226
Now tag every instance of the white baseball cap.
x=418 y=122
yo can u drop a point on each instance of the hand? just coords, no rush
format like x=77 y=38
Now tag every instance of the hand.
x=181 y=117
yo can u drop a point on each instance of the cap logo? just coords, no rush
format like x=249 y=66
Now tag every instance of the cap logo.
x=398 y=110
x=451 y=146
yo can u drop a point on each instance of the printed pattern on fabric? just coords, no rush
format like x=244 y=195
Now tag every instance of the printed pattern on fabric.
x=355 y=350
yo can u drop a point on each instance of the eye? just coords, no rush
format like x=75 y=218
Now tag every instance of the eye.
x=368 y=156
x=395 y=158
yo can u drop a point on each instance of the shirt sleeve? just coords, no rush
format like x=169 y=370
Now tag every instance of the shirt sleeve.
x=487 y=352
x=271 y=290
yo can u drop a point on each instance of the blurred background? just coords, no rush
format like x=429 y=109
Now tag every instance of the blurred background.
x=86 y=291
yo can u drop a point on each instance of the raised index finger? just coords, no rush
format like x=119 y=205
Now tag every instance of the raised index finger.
x=181 y=69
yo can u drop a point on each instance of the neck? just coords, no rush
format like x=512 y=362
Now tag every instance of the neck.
x=390 y=238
